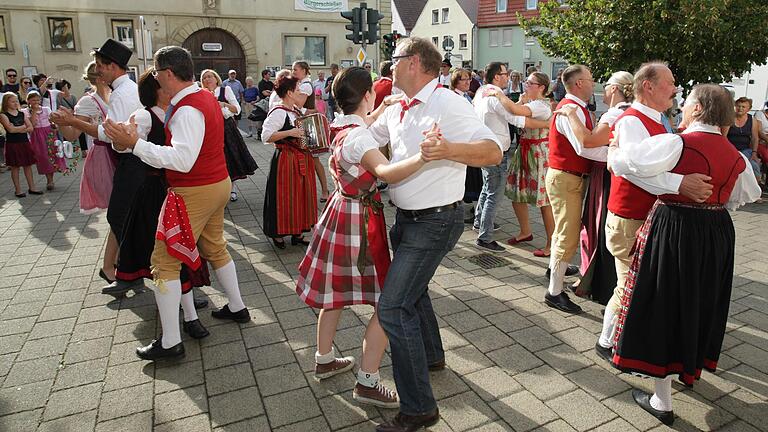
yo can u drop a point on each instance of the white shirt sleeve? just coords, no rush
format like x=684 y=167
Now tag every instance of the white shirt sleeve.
x=564 y=127
x=143 y=121
x=610 y=116
x=540 y=110
x=746 y=189
x=379 y=130
x=498 y=108
x=86 y=106
x=357 y=143
x=273 y=123
x=306 y=88
x=187 y=127
x=231 y=99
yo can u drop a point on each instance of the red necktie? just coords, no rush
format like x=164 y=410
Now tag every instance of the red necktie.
x=406 y=106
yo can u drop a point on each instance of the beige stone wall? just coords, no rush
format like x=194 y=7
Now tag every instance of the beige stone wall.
x=259 y=25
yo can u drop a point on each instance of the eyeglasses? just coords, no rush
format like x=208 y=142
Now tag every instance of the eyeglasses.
x=396 y=59
x=503 y=73
x=529 y=82
x=465 y=79
x=157 y=71
x=11 y=75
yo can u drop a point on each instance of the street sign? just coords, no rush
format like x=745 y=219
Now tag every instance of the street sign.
x=448 y=44
x=361 y=56
x=212 y=46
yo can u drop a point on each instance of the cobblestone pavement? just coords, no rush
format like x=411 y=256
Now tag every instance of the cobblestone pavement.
x=67 y=359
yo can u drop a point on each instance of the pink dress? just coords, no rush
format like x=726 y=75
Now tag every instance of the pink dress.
x=99 y=166
x=41 y=139
x=319 y=102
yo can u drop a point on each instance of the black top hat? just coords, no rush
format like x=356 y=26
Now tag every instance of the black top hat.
x=116 y=52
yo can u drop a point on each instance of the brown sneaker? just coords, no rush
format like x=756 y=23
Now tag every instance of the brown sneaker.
x=379 y=396
x=337 y=366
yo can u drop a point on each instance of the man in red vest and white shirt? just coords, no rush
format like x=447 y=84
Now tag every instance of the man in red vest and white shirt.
x=196 y=171
x=569 y=166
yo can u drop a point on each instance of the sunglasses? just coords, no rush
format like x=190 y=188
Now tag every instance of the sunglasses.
x=11 y=75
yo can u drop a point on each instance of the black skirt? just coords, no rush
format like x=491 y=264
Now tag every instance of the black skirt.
x=678 y=293
x=127 y=180
x=139 y=229
x=598 y=266
x=473 y=184
x=240 y=163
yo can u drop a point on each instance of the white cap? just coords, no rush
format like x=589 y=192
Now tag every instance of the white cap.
x=231 y=71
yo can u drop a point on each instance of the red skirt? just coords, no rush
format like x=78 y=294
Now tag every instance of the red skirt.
x=19 y=154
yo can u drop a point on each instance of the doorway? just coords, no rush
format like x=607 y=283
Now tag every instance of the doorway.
x=216 y=49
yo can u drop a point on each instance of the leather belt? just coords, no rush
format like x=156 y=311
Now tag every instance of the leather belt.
x=413 y=214
x=577 y=174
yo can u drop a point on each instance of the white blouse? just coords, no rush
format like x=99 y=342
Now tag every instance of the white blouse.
x=613 y=113
x=274 y=122
x=660 y=154
x=231 y=99
x=358 y=141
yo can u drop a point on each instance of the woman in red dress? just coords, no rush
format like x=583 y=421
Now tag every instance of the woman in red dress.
x=348 y=256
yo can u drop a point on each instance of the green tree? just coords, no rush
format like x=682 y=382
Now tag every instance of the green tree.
x=703 y=40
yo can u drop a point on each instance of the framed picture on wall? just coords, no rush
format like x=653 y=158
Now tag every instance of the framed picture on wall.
x=133 y=73
x=61 y=33
x=122 y=31
x=28 y=71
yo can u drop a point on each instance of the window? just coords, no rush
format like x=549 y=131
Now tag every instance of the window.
x=4 y=38
x=493 y=38
x=310 y=49
x=501 y=5
x=531 y=4
x=445 y=15
x=435 y=40
x=506 y=39
x=463 y=41
x=435 y=16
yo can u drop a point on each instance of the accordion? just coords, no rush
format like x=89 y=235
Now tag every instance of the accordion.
x=316 y=132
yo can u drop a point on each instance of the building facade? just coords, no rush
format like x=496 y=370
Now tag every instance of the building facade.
x=455 y=19
x=500 y=37
x=56 y=36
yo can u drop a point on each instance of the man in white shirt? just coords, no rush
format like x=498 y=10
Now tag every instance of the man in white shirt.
x=444 y=79
x=196 y=172
x=319 y=83
x=429 y=220
x=497 y=118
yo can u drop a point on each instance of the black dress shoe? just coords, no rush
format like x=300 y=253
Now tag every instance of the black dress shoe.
x=120 y=288
x=241 y=316
x=155 y=351
x=562 y=302
x=644 y=400
x=195 y=329
x=437 y=366
x=604 y=353
x=406 y=423
x=297 y=240
x=278 y=244
x=104 y=276
x=200 y=303
x=572 y=270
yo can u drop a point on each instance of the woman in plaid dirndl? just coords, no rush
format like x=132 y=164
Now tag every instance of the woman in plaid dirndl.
x=348 y=256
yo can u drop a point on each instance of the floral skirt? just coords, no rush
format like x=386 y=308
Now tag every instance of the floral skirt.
x=525 y=182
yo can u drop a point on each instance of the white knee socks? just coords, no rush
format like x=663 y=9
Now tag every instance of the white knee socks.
x=227 y=276
x=609 y=325
x=557 y=275
x=662 y=397
x=168 y=307
x=188 y=306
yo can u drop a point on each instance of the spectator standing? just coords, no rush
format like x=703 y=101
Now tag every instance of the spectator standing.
x=744 y=133
x=48 y=94
x=444 y=79
x=383 y=87
x=11 y=84
x=26 y=86
x=266 y=86
x=369 y=68
x=235 y=84
x=250 y=96
x=331 y=113
x=558 y=92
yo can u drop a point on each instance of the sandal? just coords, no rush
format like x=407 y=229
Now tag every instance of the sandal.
x=34 y=192
x=21 y=195
x=541 y=254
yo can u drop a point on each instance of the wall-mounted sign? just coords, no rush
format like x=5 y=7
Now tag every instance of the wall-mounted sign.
x=320 y=5
x=212 y=46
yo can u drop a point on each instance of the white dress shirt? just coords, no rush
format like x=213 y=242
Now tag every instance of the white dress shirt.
x=493 y=114
x=564 y=127
x=631 y=129
x=660 y=154
x=187 y=127
x=438 y=183
x=274 y=122
x=231 y=99
x=123 y=102
x=444 y=80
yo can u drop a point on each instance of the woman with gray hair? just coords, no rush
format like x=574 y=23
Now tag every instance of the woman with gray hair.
x=676 y=300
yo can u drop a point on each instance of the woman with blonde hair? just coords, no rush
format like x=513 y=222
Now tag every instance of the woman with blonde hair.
x=240 y=163
x=598 y=268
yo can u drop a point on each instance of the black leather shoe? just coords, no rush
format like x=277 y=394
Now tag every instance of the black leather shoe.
x=279 y=244
x=437 y=366
x=104 y=276
x=155 y=351
x=296 y=240
x=200 y=303
x=241 y=316
x=644 y=400
x=572 y=270
x=120 y=288
x=195 y=329
x=562 y=302
x=406 y=423
x=604 y=353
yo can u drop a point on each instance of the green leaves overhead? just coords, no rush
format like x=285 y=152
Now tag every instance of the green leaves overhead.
x=703 y=40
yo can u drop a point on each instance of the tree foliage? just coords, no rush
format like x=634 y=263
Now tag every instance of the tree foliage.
x=703 y=40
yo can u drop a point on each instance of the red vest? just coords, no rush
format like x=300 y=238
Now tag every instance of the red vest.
x=713 y=155
x=626 y=199
x=210 y=166
x=562 y=155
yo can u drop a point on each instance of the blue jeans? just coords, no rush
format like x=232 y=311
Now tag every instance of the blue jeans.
x=405 y=309
x=494 y=177
x=755 y=164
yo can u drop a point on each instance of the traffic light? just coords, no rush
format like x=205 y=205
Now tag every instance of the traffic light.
x=355 y=26
x=372 y=19
x=390 y=43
